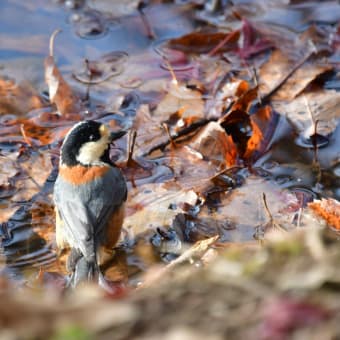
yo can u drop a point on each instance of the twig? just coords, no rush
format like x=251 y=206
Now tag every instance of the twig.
x=131 y=145
x=272 y=221
x=256 y=81
x=264 y=200
x=192 y=128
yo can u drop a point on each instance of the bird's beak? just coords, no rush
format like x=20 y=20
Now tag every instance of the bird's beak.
x=116 y=135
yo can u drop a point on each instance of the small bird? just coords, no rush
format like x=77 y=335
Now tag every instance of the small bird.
x=89 y=195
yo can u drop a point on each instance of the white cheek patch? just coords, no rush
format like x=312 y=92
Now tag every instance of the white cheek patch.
x=91 y=152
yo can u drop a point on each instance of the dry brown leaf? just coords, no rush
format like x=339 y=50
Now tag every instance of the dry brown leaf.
x=215 y=145
x=60 y=92
x=180 y=98
x=279 y=66
x=320 y=105
x=149 y=131
x=328 y=209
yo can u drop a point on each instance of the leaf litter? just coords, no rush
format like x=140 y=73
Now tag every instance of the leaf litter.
x=204 y=213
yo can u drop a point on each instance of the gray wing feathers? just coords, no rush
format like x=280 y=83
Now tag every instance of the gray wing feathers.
x=85 y=209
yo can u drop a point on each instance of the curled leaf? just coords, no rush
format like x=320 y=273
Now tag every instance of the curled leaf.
x=60 y=92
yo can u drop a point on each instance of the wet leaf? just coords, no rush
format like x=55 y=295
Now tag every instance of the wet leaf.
x=253 y=43
x=60 y=92
x=305 y=110
x=223 y=210
x=278 y=66
x=151 y=206
x=180 y=98
x=203 y=42
x=149 y=131
x=215 y=145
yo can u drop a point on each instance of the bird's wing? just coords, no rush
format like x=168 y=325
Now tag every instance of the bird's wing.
x=85 y=209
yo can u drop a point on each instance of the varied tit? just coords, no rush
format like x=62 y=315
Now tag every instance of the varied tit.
x=89 y=196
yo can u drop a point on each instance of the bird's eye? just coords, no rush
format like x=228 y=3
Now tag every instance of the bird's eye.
x=91 y=137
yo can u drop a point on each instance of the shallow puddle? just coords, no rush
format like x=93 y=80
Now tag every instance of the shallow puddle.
x=130 y=69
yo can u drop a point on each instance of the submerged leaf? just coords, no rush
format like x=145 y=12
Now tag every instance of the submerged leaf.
x=201 y=42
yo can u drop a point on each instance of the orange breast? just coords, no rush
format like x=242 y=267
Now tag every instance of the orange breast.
x=81 y=174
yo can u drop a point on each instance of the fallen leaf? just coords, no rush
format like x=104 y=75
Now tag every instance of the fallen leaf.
x=278 y=66
x=203 y=42
x=328 y=209
x=253 y=43
x=60 y=92
x=233 y=212
x=149 y=131
x=180 y=98
x=155 y=205
x=215 y=145
x=264 y=123
x=303 y=112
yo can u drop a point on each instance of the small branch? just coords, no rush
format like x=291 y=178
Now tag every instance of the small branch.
x=189 y=129
x=272 y=221
x=264 y=200
x=131 y=146
x=256 y=81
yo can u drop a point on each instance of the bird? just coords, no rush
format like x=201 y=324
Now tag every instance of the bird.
x=89 y=195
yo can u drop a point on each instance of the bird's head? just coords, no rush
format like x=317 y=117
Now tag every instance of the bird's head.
x=87 y=143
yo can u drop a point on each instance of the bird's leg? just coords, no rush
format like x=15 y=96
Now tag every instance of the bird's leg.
x=72 y=259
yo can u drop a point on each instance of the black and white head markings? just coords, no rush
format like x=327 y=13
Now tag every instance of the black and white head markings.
x=86 y=144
